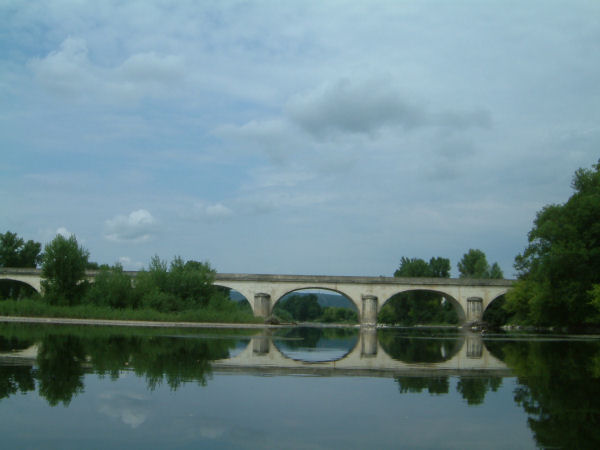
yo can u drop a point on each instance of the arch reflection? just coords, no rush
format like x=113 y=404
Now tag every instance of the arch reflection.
x=425 y=346
x=310 y=344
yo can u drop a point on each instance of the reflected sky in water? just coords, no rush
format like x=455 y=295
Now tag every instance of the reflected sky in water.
x=241 y=411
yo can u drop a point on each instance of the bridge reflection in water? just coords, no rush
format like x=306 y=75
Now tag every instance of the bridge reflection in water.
x=359 y=353
x=458 y=354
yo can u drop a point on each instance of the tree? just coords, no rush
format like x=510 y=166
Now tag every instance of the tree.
x=112 y=287
x=15 y=252
x=419 y=306
x=63 y=270
x=560 y=267
x=182 y=286
x=302 y=307
x=474 y=265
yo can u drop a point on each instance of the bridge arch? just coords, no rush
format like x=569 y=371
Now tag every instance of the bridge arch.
x=424 y=348
x=494 y=298
x=458 y=307
x=33 y=282
x=317 y=288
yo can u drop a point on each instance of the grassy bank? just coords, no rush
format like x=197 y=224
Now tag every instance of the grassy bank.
x=39 y=308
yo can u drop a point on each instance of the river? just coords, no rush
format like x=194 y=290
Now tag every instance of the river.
x=107 y=387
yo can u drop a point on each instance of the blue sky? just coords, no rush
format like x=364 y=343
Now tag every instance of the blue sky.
x=303 y=137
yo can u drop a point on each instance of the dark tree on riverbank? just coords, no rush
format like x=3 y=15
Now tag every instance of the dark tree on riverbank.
x=559 y=271
x=63 y=268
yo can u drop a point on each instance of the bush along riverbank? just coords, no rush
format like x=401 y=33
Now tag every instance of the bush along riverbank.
x=179 y=292
x=222 y=313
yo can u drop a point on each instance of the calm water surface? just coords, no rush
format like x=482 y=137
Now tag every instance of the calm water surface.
x=97 y=387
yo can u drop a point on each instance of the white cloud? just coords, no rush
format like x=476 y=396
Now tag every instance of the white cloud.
x=70 y=71
x=131 y=409
x=138 y=226
x=64 y=232
x=206 y=212
x=67 y=70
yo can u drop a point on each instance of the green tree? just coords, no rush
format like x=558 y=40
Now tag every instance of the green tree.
x=560 y=266
x=15 y=252
x=183 y=286
x=474 y=265
x=63 y=270
x=419 y=306
x=112 y=287
x=302 y=307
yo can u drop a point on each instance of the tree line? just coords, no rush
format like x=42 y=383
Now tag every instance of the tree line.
x=178 y=286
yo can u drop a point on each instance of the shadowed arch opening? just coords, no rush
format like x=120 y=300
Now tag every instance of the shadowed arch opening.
x=314 y=345
x=16 y=289
x=236 y=297
x=316 y=305
x=494 y=314
x=421 y=307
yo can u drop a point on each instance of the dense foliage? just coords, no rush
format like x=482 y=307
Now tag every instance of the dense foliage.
x=559 y=271
x=15 y=252
x=63 y=268
x=474 y=265
x=418 y=307
x=183 y=287
x=60 y=361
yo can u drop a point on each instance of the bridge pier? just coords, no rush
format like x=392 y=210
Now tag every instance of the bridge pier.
x=474 y=309
x=368 y=342
x=369 y=310
x=262 y=305
x=261 y=344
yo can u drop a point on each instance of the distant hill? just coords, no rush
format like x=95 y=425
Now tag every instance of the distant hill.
x=324 y=299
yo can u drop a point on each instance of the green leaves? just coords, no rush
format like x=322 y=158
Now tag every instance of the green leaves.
x=417 y=267
x=15 y=252
x=63 y=269
x=561 y=264
x=474 y=265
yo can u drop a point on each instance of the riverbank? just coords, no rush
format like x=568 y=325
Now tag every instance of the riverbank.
x=134 y=323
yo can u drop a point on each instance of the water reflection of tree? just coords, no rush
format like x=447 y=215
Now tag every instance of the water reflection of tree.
x=309 y=337
x=434 y=385
x=417 y=349
x=63 y=359
x=15 y=379
x=474 y=389
x=60 y=373
x=559 y=389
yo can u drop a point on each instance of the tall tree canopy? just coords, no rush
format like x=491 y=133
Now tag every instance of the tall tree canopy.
x=417 y=267
x=559 y=271
x=474 y=265
x=63 y=269
x=15 y=252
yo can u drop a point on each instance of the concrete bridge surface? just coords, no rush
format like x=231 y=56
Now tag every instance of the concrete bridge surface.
x=470 y=297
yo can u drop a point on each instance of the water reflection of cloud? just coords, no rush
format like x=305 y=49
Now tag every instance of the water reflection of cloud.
x=131 y=409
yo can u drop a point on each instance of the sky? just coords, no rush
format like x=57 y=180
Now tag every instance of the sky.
x=296 y=137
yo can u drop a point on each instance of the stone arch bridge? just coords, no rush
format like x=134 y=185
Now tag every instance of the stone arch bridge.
x=470 y=297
